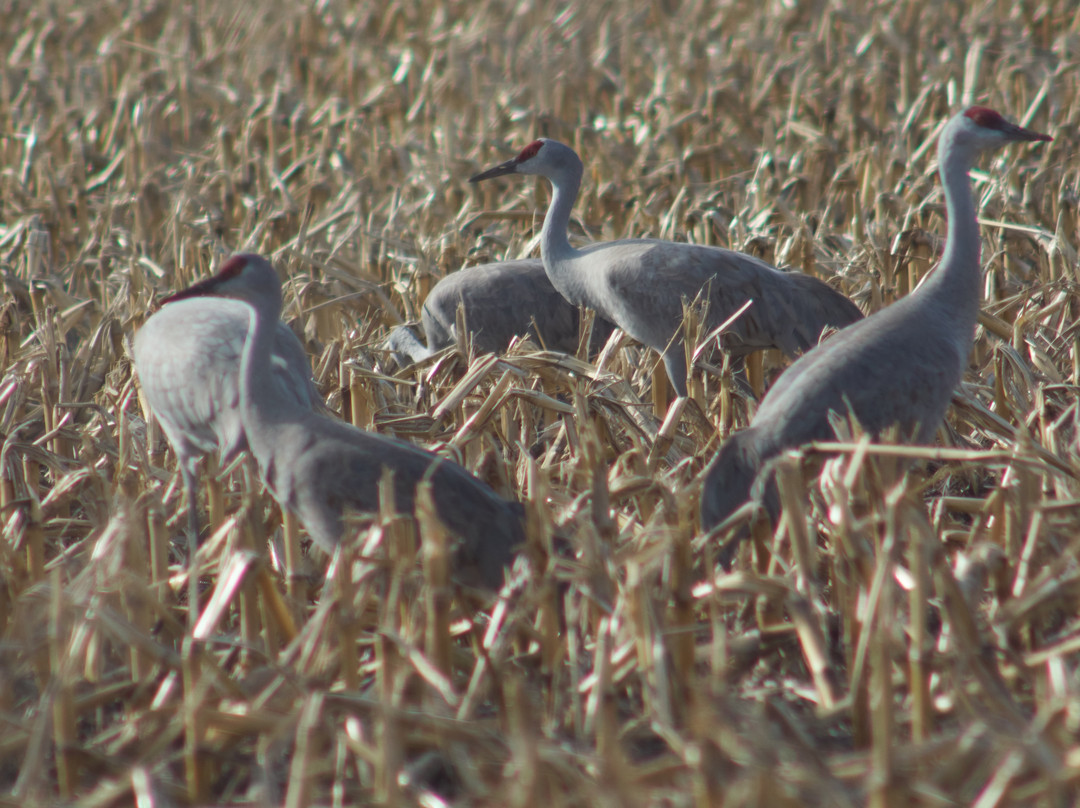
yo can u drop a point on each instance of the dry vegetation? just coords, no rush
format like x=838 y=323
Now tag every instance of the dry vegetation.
x=904 y=639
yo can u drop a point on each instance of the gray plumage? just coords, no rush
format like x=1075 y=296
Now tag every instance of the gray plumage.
x=641 y=284
x=499 y=301
x=319 y=467
x=187 y=357
x=899 y=366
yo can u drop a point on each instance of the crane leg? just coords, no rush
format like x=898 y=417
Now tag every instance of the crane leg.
x=755 y=373
x=675 y=362
x=740 y=378
x=191 y=490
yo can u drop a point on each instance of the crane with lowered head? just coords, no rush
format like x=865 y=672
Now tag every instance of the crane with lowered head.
x=500 y=301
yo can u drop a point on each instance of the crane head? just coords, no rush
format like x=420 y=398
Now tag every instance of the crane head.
x=989 y=129
x=530 y=160
x=241 y=277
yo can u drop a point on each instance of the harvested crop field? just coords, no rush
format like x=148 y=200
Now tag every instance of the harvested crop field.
x=908 y=636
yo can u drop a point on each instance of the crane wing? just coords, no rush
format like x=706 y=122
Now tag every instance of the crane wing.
x=886 y=370
x=187 y=356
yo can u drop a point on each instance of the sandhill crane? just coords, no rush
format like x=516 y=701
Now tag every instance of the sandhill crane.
x=898 y=366
x=641 y=284
x=187 y=357
x=317 y=466
x=500 y=301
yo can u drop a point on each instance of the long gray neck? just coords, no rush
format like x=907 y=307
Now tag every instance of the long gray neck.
x=261 y=403
x=555 y=248
x=957 y=283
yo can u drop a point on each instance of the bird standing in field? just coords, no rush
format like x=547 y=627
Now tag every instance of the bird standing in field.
x=500 y=301
x=187 y=358
x=318 y=467
x=641 y=285
x=898 y=366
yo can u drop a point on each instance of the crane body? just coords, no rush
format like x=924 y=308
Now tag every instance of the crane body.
x=187 y=358
x=642 y=285
x=319 y=467
x=500 y=301
x=899 y=366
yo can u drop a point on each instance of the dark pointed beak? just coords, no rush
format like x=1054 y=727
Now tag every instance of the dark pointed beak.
x=509 y=167
x=203 y=288
x=1020 y=133
x=210 y=287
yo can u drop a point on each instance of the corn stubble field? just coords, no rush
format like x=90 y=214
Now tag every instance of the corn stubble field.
x=925 y=653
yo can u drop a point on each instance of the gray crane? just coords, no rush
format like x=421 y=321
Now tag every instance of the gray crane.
x=317 y=466
x=187 y=357
x=898 y=366
x=500 y=301
x=641 y=284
